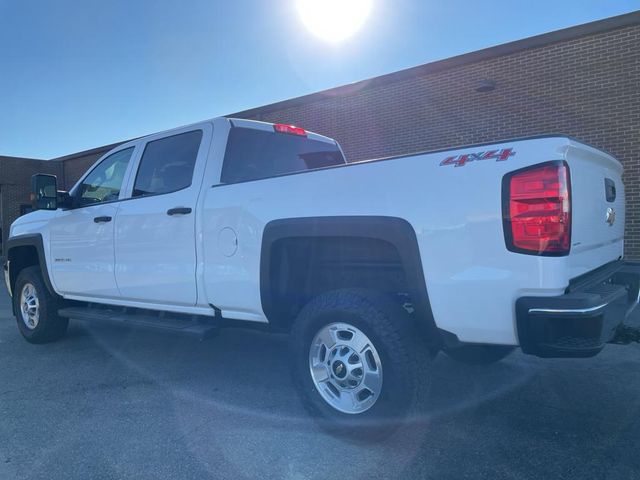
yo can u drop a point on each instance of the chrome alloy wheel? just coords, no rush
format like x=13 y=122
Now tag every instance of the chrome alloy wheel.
x=345 y=368
x=29 y=306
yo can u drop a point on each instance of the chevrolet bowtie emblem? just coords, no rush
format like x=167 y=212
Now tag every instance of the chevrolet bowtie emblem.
x=611 y=216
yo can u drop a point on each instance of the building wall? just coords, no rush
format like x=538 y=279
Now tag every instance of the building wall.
x=586 y=87
x=15 y=187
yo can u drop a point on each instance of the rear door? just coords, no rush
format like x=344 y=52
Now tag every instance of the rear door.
x=155 y=229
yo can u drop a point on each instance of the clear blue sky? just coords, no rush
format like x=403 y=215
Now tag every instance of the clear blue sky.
x=76 y=74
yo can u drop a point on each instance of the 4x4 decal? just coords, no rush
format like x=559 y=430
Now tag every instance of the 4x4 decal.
x=462 y=160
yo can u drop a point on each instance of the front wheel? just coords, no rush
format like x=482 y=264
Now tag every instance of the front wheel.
x=37 y=309
x=357 y=362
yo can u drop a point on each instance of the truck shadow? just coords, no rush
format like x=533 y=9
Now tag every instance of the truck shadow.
x=247 y=372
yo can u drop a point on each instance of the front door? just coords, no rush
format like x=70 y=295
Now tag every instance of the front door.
x=155 y=243
x=82 y=252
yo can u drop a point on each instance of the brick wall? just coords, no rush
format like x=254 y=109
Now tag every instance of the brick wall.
x=586 y=87
x=15 y=186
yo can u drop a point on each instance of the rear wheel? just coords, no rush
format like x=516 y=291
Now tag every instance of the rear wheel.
x=37 y=310
x=357 y=362
x=346 y=368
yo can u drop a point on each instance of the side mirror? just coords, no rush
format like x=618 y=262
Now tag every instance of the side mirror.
x=44 y=192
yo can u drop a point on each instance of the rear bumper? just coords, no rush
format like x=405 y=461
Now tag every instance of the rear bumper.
x=580 y=322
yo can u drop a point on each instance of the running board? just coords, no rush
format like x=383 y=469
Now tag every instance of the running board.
x=194 y=325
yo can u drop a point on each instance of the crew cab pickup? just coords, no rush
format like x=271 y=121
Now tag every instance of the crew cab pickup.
x=373 y=266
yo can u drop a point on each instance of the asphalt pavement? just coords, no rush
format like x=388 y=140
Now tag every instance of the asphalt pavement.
x=113 y=402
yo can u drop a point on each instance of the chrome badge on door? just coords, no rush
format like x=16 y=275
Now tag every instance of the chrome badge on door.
x=611 y=216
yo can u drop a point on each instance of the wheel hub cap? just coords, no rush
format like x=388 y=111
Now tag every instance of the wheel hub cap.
x=339 y=369
x=345 y=368
x=29 y=306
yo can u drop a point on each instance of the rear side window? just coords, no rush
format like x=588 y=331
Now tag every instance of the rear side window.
x=253 y=154
x=167 y=164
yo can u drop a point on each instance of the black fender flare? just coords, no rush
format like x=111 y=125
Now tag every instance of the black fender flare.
x=393 y=230
x=32 y=240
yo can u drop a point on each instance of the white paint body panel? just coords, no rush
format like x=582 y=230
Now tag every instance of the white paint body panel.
x=82 y=251
x=472 y=280
x=149 y=244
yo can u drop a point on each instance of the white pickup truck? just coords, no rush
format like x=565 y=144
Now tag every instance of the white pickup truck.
x=373 y=267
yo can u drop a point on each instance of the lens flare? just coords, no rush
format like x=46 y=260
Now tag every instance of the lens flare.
x=334 y=20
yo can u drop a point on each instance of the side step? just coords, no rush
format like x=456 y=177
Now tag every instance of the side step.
x=194 y=325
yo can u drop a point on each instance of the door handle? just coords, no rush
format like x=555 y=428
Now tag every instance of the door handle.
x=102 y=219
x=179 y=211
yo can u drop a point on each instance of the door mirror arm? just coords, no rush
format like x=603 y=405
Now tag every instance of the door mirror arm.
x=65 y=201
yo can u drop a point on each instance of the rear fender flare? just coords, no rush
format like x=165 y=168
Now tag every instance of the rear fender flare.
x=396 y=231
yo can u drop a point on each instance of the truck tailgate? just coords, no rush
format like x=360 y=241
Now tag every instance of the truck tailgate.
x=597 y=208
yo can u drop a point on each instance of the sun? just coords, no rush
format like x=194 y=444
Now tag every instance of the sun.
x=334 y=20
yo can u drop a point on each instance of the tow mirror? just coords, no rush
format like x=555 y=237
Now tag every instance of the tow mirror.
x=44 y=192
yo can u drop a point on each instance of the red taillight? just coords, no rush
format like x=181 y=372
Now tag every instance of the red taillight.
x=290 y=129
x=537 y=210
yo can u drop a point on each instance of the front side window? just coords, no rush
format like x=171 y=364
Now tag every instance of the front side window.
x=167 y=164
x=104 y=182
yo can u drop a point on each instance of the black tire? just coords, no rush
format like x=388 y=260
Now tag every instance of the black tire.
x=50 y=326
x=479 y=354
x=403 y=356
